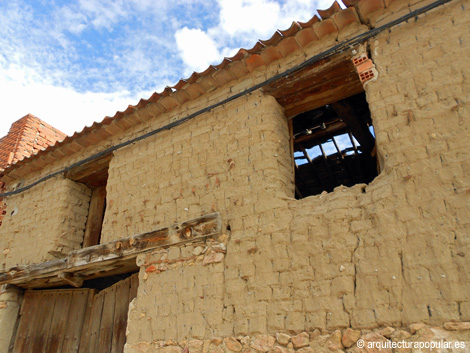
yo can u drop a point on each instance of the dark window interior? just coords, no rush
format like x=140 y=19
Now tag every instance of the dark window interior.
x=334 y=145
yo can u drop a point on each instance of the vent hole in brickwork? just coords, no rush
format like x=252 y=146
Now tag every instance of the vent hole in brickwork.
x=334 y=145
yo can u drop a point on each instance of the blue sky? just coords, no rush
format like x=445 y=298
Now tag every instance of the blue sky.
x=74 y=62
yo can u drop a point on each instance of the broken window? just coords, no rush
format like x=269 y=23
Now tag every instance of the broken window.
x=93 y=175
x=333 y=145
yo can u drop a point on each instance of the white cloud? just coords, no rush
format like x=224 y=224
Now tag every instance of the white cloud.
x=63 y=108
x=240 y=24
x=247 y=16
x=197 y=49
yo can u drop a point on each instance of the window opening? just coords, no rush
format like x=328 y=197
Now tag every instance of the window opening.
x=334 y=145
x=94 y=175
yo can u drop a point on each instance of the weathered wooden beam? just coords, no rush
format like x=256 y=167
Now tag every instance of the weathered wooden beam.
x=359 y=129
x=111 y=258
x=327 y=81
x=331 y=129
x=94 y=220
x=95 y=171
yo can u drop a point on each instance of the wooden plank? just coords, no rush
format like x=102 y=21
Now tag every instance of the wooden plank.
x=41 y=321
x=334 y=128
x=72 y=279
x=92 y=168
x=60 y=316
x=25 y=328
x=324 y=82
x=95 y=217
x=95 y=322
x=313 y=98
x=134 y=287
x=85 y=334
x=107 y=320
x=111 y=258
x=75 y=320
x=120 y=315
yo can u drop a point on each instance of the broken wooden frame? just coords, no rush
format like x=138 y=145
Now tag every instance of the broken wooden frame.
x=109 y=259
x=319 y=102
x=348 y=163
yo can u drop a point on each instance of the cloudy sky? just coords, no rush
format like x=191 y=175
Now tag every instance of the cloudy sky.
x=73 y=62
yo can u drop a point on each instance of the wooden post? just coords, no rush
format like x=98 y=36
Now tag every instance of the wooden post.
x=95 y=217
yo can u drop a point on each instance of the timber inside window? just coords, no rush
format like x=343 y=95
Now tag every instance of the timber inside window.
x=94 y=175
x=333 y=145
x=332 y=138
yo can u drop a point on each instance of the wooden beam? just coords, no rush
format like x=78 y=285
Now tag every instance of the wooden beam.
x=331 y=129
x=93 y=173
x=359 y=129
x=326 y=81
x=111 y=258
x=72 y=279
x=94 y=220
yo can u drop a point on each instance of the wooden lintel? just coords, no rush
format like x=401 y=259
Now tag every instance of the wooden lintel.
x=111 y=258
x=96 y=169
x=324 y=82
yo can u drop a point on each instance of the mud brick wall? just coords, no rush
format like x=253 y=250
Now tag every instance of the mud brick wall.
x=224 y=161
x=43 y=224
x=391 y=253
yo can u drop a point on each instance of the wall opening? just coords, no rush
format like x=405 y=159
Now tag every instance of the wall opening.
x=332 y=137
x=93 y=175
x=333 y=145
x=79 y=320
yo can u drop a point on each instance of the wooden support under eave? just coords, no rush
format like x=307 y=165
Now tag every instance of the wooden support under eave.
x=72 y=279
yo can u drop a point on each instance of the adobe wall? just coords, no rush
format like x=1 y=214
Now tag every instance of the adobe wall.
x=45 y=223
x=392 y=253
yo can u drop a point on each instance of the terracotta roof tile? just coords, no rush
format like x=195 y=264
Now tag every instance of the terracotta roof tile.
x=287 y=46
x=274 y=40
x=367 y=7
x=324 y=14
x=256 y=48
x=270 y=54
x=306 y=36
x=223 y=64
x=293 y=29
x=325 y=28
x=345 y=17
x=254 y=61
x=350 y=3
x=310 y=22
